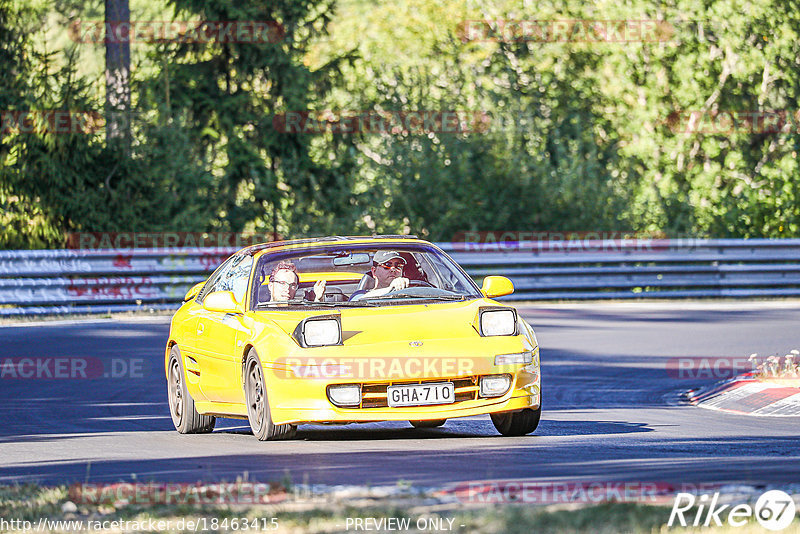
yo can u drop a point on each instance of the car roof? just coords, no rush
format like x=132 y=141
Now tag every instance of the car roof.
x=275 y=246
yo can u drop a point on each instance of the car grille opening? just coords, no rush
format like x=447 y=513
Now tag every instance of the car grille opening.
x=373 y=395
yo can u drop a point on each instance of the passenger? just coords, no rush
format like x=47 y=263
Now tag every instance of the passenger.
x=284 y=281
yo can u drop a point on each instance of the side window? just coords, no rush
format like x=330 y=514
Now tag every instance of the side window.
x=448 y=281
x=212 y=282
x=236 y=277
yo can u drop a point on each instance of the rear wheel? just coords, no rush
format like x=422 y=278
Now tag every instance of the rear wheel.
x=258 y=405
x=517 y=423
x=428 y=424
x=181 y=405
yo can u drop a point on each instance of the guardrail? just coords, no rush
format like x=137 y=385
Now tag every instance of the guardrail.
x=629 y=269
x=99 y=281
x=36 y=282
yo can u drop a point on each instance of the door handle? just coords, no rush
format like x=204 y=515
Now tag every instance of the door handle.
x=200 y=328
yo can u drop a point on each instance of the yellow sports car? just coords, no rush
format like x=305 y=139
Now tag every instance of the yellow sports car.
x=349 y=330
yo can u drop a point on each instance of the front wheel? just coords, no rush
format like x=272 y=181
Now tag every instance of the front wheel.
x=181 y=404
x=517 y=423
x=258 y=405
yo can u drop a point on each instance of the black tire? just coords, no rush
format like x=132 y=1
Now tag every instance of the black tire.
x=428 y=424
x=258 y=414
x=181 y=404
x=517 y=423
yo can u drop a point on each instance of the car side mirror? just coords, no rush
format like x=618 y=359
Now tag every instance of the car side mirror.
x=192 y=293
x=221 y=301
x=497 y=286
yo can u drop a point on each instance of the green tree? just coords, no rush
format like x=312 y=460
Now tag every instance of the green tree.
x=231 y=93
x=549 y=159
x=54 y=182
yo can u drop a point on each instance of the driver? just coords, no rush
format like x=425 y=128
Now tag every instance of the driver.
x=387 y=270
x=283 y=283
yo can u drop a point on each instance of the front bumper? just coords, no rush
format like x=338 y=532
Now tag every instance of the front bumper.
x=304 y=400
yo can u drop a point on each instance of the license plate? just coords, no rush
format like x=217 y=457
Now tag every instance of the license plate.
x=421 y=394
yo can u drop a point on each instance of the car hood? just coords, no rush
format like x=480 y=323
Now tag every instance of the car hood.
x=415 y=322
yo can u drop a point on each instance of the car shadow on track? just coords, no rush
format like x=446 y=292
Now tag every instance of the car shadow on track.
x=454 y=428
x=380 y=431
x=589 y=428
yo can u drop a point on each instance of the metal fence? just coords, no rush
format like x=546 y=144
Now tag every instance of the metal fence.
x=100 y=281
x=35 y=282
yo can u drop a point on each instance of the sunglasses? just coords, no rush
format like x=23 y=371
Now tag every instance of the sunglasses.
x=292 y=285
x=393 y=265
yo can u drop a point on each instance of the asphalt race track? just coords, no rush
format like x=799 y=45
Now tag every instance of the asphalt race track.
x=611 y=410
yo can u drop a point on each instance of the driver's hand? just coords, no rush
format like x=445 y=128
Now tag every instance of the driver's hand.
x=399 y=283
x=319 y=290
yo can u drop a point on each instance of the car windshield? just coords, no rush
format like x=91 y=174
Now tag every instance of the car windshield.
x=359 y=275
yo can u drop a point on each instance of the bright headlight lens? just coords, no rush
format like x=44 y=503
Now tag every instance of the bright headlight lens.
x=322 y=332
x=347 y=395
x=512 y=359
x=495 y=385
x=498 y=323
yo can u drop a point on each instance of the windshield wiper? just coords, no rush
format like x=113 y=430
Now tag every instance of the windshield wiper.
x=425 y=297
x=337 y=304
x=309 y=303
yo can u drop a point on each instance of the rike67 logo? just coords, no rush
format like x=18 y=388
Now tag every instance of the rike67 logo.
x=774 y=510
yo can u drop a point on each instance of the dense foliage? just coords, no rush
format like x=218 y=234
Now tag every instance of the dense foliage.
x=575 y=134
